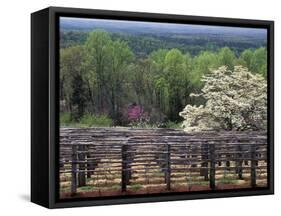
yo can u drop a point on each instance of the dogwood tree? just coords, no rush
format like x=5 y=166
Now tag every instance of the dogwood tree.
x=235 y=100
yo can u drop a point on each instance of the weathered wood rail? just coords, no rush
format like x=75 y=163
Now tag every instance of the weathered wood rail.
x=166 y=156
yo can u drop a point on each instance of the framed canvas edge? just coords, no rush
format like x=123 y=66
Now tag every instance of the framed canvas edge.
x=53 y=105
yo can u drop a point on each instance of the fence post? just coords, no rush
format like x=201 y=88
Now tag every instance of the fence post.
x=193 y=151
x=253 y=165
x=204 y=164
x=212 y=166
x=81 y=158
x=74 y=170
x=90 y=162
x=168 y=167
x=239 y=162
x=124 y=171
x=89 y=165
x=162 y=159
x=128 y=164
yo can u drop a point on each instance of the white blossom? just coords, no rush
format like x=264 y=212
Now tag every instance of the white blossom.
x=235 y=100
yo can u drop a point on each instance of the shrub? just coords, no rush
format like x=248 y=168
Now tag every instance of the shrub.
x=137 y=114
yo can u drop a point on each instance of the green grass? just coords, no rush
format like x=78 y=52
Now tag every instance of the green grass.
x=116 y=186
x=228 y=181
x=87 y=188
x=87 y=120
x=160 y=174
x=169 y=124
x=96 y=120
x=197 y=181
x=136 y=186
x=173 y=125
x=201 y=183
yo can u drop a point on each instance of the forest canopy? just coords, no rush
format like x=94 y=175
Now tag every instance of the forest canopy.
x=104 y=81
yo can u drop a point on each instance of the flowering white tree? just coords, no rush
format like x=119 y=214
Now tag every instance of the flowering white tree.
x=235 y=100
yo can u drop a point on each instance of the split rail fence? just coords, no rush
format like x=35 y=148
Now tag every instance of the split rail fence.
x=160 y=153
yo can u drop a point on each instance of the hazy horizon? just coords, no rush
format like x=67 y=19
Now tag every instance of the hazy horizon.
x=87 y=24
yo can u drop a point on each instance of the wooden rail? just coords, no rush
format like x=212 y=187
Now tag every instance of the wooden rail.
x=165 y=155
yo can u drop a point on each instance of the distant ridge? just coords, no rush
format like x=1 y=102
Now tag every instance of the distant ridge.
x=135 y=27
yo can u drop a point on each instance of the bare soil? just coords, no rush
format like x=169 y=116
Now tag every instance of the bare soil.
x=149 y=190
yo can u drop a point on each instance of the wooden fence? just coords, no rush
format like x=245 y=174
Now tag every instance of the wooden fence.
x=166 y=156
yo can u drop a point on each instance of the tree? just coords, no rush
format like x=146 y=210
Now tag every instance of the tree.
x=259 y=61
x=235 y=100
x=158 y=58
x=160 y=84
x=97 y=50
x=107 y=65
x=176 y=77
x=226 y=57
x=120 y=55
x=72 y=87
x=246 y=57
x=162 y=93
x=78 y=98
x=100 y=74
x=202 y=64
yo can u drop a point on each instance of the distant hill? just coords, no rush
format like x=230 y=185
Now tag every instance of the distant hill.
x=135 y=27
x=144 y=37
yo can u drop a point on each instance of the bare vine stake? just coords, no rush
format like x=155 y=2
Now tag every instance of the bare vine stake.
x=168 y=167
x=124 y=168
x=212 y=166
x=253 y=165
x=204 y=164
x=81 y=158
x=74 y=170
x=90 y=162
x=129 y=158
x=240 y=162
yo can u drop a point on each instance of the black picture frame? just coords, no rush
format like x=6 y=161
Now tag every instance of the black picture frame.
x=45 y=105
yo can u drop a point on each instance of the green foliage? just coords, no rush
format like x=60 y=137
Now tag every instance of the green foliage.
x=173 y=125
x=246 y=58
x=255 y=60
x=176 y=77
x=143 y=45
x=102 y=73
x=158 y=56
x=162 y=92
x=72 y=87
x=96 y=120
x=202 y=64
x=72 y=38
x=107 y=61
x=259 y=61
x=226 y=57
x=174 y=62
x=65 y=118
